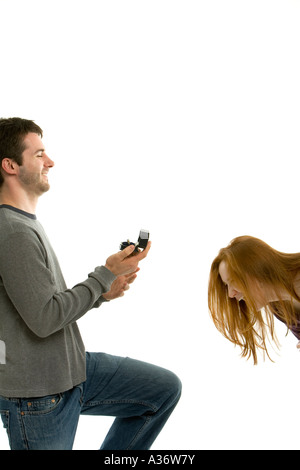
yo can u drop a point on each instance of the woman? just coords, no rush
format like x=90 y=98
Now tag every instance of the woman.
x=249 y=283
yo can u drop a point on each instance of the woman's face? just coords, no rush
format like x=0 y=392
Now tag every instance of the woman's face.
x=233 y=291
x=261 y=293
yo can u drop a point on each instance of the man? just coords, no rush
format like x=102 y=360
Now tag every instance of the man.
x=46 y=378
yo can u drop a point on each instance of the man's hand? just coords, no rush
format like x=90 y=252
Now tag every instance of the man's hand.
x=126 y=261
x=120 y=285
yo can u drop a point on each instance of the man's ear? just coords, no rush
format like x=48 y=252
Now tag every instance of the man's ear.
x=9 y=166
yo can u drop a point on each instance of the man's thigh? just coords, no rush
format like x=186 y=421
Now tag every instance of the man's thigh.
x=123 y=387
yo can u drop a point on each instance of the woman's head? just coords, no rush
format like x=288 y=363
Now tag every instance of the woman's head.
x=246 y=276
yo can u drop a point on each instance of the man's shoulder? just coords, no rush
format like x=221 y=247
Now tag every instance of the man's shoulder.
x=14 y=221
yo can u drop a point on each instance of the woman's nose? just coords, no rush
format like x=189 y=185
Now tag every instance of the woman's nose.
x=232 y=292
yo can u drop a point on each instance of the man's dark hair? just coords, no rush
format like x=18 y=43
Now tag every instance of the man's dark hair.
x=12 y=134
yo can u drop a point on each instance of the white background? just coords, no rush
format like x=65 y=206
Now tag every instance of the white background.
x=181 y=117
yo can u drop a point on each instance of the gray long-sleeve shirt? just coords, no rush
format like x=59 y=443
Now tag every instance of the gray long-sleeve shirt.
x=41 y=350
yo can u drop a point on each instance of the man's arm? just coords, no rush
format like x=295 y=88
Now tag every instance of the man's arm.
x=32 y=289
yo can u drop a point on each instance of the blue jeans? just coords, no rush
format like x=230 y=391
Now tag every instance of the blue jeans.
x=141 y=397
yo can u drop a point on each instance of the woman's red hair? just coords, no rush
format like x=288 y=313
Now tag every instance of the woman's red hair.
x=253 y=266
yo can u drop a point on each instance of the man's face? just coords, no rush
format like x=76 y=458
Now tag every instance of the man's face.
x=35 y=166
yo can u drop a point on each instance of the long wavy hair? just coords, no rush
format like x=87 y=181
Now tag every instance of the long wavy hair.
x=255 y=268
